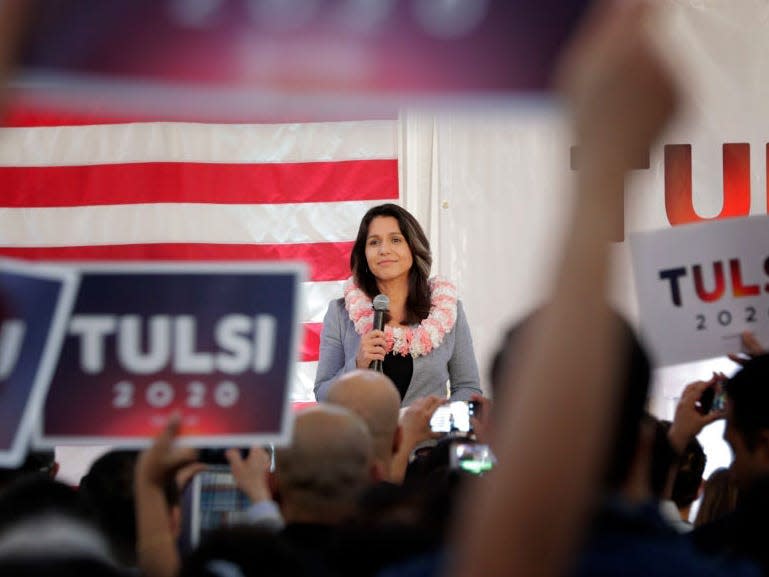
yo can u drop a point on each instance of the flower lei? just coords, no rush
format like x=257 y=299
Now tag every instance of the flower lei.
x=415 y=340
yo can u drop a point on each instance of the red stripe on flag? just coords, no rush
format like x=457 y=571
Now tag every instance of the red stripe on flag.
x=311 y=341
x=19 y=115
x=328 y=261
x=298 y=406
x=136 y=183
x=16 y=117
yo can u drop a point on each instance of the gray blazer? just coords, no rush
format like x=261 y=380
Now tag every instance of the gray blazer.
x=452 y=361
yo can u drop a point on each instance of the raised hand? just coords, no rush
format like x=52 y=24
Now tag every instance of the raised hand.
x=689 y=418
x=750 y=348
x=251 y=474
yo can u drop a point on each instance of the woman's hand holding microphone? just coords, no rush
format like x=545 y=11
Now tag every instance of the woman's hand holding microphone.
x=372 y=348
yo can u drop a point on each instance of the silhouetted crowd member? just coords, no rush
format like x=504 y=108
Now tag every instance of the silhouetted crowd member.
x=242 y=552
x=107 y=493
x=397 y=524
x=320 y=477
x=747 y=432
x=688 y=482
x=630 y=536
x=719 y=497
x=44 y=531
x=36 y=464
x=677 y=479
x=373 y=397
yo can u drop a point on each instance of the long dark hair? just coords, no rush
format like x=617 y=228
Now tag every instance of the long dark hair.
x=418 y=300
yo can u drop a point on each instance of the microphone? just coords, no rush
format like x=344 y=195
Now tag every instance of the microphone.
x=381 y=306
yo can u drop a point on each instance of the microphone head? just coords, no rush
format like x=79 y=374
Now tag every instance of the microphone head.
x=381 y=302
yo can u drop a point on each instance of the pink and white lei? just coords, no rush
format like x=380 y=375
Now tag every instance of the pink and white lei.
x=415 y=340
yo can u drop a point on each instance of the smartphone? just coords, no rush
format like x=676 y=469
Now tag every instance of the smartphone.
x=472 y=458
x=216 y=502
x=712 y=399
x=217 y=456
x=211 y=456
x=454 y=417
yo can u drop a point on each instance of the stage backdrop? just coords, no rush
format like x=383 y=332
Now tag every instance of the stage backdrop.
x=490 y=188
x=187 y=191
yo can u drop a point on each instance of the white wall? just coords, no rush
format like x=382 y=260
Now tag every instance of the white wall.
x=493 y=189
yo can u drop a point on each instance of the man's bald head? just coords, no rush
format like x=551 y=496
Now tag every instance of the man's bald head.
x=320 y=476
x=373 y=397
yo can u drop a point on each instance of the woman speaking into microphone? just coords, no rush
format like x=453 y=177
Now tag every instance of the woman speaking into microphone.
x=425 y=340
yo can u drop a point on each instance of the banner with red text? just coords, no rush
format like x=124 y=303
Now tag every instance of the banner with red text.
x=700 y=286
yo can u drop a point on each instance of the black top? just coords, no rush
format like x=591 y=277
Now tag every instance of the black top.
x=399 y=368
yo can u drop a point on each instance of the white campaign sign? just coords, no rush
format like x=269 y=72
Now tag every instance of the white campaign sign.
x=699 y=286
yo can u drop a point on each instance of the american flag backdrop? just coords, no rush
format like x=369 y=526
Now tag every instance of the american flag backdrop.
x=82 y=188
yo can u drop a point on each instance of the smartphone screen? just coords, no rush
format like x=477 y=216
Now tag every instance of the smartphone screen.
x=713 y=399
x=309 y=51
x=452 y=417
x=472 y=458
x=216 y=502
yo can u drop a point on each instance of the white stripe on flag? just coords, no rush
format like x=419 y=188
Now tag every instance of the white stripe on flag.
x=304 y=381
x=317 y=296
x=190 y=142
x=181 y=222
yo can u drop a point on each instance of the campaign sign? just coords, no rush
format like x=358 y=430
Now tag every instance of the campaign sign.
x=215 y=343
x=34 y=303
x=700 y=285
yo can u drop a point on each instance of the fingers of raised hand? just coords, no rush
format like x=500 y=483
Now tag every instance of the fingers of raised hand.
x=695 y=389
x=179 y=457
x=162 y=458
x=714 y=416
x=259 y=458
x=186 y=473
x=751 y=345
x=234 y=458
x=433 y=402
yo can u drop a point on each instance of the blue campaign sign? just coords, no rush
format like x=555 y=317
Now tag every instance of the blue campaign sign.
x=34 y=305
x=216 y=343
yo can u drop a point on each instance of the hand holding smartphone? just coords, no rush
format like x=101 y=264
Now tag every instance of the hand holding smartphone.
x=713 y=399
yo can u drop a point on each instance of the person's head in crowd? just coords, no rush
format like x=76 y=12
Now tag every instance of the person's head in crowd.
x=503 y=360
x=36 y=464
x=440 y=478
x=632 y=444
x=107 y=493
x=509 y=347
x=413 y=518
x=663 y=458
x=719 y=497
x=42 y=523
x=631 y=420
x=688 y=482
x=410 y=519
x=634 y=380
x=375 y=399
x=418 y=301
x=320 y=476
x=747 y=420
x=242 y=552
x=37 y=495
x=689 y=467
